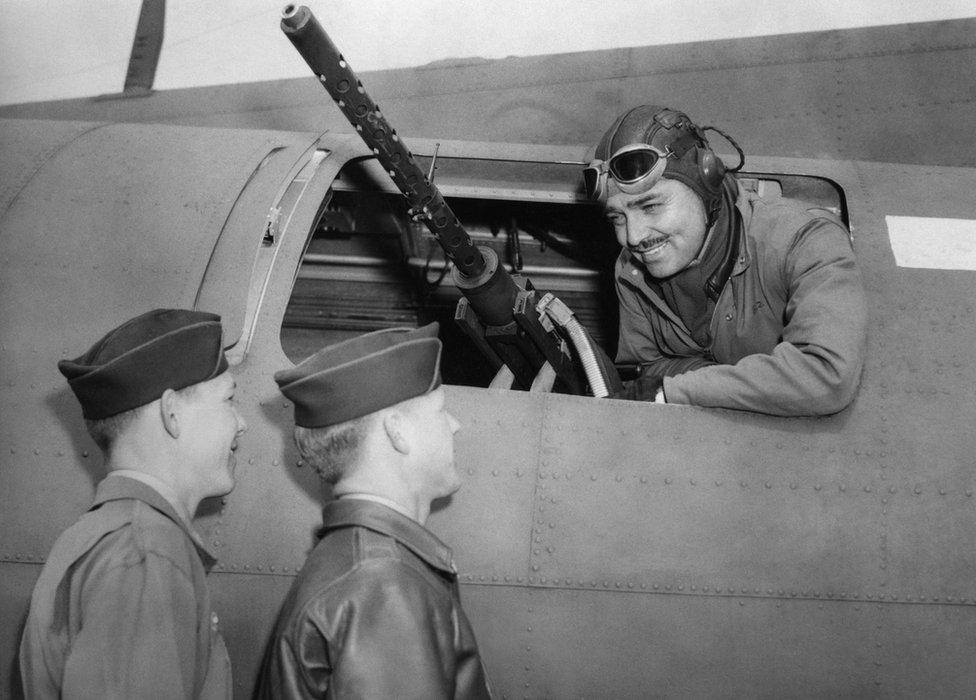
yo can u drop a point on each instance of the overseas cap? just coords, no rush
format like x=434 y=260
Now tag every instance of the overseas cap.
x=136 y=362
x=363 y=375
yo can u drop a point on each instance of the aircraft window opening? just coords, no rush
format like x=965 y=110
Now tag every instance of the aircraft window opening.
x=813 y=192
x=369 y=266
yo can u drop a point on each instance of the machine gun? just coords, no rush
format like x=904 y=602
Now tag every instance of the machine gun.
x=511 y=322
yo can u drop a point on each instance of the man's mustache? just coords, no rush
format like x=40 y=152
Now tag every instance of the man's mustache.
x=646 y=244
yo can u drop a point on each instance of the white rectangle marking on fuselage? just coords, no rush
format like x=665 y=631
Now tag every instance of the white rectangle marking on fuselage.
x=938 y=244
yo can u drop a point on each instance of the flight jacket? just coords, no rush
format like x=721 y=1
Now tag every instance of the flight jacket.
x=121 y=608
x=788 y=332
x=374 y=613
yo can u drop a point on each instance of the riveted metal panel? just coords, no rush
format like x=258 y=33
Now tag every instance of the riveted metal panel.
x=16 y=583
x=246 y=635
x=26 y=145
x=120 y=220
x=499 y=615
x=919 y=387
x=925 y=651
x=498 y=491
x=586 y=643
x=701 y=568
x=684 y=497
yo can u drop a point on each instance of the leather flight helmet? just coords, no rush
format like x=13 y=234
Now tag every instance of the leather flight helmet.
x=689 y=158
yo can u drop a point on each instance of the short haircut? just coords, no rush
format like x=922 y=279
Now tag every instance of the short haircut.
x=334 y=449
x=105 y=431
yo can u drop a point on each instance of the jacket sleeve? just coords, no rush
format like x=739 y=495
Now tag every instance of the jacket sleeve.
x=380 y=632
x=636 y=343
x=138 y=632
x=816 y=366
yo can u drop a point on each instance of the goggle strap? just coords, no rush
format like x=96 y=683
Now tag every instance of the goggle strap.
x=598 y=174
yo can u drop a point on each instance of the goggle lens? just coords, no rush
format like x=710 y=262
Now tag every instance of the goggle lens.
x=628 y=166
x=631 y=166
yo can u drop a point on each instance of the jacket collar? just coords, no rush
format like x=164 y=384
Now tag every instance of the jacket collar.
x=118 y=487
x=632 y=275
x=349 y=512
x=745 y=203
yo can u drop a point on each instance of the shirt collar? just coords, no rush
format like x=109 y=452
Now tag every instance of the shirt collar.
x=158 y=485
x=382 y=500
x=369 y=513
x=633 y=275
x=116 y=487
x=745 y=202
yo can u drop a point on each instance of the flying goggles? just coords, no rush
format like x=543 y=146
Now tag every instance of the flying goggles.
x=634 y=168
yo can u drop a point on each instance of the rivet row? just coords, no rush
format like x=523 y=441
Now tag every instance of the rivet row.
x=720 y=591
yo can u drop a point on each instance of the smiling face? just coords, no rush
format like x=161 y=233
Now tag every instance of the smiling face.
x=210 y=430
x=663 y=227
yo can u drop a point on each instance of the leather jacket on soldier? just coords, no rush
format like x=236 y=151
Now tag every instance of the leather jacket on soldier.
x=374 y=613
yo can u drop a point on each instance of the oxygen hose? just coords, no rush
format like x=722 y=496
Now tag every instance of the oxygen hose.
x=562 y=316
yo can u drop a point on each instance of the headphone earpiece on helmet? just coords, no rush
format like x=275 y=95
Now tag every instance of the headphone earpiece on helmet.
x=711 y=169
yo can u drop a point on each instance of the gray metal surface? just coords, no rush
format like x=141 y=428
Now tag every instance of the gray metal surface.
x=900 y=93
x=92 y=237
x=706 y=553
x=606 y=548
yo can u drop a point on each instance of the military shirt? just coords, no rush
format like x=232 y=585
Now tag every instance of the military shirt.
x=121 y=607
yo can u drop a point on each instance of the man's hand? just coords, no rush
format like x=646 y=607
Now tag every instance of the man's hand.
x=642 y=389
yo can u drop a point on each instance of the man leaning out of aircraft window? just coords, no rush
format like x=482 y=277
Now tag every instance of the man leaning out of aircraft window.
x=375 y=610
x=121 y=608
x=726 y=299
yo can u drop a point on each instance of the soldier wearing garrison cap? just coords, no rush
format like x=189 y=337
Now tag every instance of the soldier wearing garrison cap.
x=375 y=610
x=121 y=607
x=727 y=299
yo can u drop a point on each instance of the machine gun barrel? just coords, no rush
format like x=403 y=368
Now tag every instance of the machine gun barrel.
x=485 y=283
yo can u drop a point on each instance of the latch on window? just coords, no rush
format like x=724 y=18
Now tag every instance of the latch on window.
x=272 y=227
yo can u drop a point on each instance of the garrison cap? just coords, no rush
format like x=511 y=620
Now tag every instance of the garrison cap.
x=136 y=362
x=363 y=375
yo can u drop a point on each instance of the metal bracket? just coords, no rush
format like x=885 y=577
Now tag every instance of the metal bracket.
x=272 y=226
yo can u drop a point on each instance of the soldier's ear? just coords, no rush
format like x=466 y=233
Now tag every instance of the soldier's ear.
x=395 y=425
x=169 y=408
